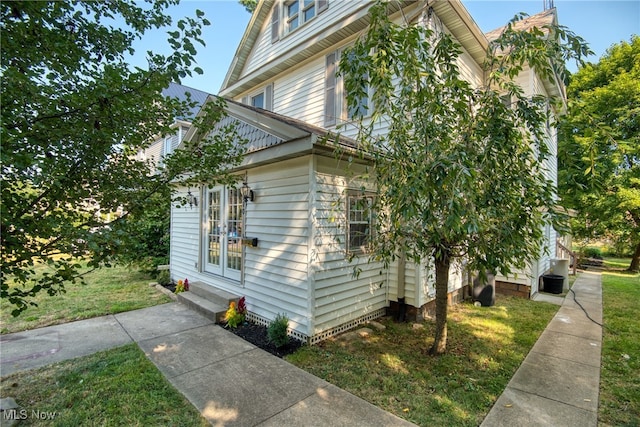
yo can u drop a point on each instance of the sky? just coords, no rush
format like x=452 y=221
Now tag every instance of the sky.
x=601 y=23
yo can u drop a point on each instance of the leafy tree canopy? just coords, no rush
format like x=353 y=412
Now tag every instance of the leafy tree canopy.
x=249 y=5
x=74 y=116
x=599 y=151
x=459 y=172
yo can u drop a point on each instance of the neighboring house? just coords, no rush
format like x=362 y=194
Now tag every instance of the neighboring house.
x=295 y=246
x=163 y=145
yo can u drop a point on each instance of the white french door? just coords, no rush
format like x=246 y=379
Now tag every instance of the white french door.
x=222 y=233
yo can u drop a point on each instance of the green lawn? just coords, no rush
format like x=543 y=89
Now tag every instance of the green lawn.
x=620 y=373
x=392 y=370
x=118 y=387
x=108 y=291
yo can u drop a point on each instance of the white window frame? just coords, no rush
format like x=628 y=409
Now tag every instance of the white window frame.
x=307 y=5
x=292 y=21
x=353 y=218
x=283 y=23
x=166 y=147
x=255 y=96
x=267 y=96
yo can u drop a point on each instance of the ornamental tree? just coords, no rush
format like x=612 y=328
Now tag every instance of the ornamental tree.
x=459 y=173
x=74 y=116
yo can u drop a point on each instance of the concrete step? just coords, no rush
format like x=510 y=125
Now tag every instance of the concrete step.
x=215 y=295
x=207 y=300
x=202 y=305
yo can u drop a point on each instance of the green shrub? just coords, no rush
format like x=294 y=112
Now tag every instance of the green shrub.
x=164 y=277
x=277 y=331
x=591 y=252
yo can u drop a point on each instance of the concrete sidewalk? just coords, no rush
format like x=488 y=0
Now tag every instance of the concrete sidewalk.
x=230 y=381
x=558 y=382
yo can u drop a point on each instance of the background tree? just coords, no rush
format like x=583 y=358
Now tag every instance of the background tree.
x=599 y=149
x=249 y=5
x=459 y=174
x=74 y=116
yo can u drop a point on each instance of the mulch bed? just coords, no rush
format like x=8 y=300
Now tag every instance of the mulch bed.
x=171 y=286
x=257 y=335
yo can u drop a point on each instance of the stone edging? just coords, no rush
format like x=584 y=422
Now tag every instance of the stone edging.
x=164 y=290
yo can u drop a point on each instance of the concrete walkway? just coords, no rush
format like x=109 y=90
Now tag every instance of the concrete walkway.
x=231 y=382
x=558 y=382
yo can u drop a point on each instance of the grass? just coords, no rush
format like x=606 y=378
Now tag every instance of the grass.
x=620 y=371
x=118 y=387
x=108 y=291
x=391 y=369
x=617 y=263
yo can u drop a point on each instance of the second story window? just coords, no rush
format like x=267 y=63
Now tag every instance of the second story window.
x=167 y=148
x=258 y=100
x=335 y=108
x=308 y=10
x=261 y=99
x=291 y=14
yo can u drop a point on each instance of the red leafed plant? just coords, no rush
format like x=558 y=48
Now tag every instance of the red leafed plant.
x=242 y=307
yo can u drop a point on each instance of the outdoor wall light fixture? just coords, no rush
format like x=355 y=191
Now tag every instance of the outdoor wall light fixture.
x=192 y=199
x=247 y=193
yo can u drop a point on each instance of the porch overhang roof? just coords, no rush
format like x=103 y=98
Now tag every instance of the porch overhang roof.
x=295 y=137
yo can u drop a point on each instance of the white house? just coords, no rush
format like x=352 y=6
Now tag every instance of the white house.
x=287 y=249
x=163 y=145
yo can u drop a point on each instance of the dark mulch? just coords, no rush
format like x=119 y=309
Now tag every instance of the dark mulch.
x=171 y=286
x=257 y=335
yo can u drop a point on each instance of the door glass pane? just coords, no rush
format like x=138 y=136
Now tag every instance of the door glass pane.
x=234 y=227
x=213 y=228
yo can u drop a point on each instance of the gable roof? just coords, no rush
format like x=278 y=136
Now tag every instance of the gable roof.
x=452 y=13
x=183 y=93
x=539 y=20
x=266 y=130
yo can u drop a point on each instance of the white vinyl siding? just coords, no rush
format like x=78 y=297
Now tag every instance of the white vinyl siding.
x=340 y=296
x=265 y=50
x=275 y=272
x=300 y=94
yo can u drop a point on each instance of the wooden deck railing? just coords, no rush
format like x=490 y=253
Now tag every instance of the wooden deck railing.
x=563 y=252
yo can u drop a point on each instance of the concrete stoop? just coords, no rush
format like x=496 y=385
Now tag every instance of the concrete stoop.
x=207 y=300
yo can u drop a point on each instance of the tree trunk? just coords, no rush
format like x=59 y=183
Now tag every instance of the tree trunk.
x=442 y=287
x=635 y=261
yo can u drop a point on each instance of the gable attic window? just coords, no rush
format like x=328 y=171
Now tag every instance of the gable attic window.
x=290 y=15
x=360 y=221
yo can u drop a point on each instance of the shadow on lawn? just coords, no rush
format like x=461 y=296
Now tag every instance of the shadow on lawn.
x=392 y=370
